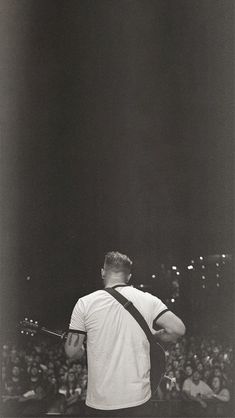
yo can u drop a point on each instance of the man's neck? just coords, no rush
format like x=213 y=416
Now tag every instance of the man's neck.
x=115 y=283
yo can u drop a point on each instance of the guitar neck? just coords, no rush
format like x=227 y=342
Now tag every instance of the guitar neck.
x=52 y=333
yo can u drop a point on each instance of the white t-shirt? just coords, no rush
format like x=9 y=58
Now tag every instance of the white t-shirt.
x=117 y=347
x=201 y=389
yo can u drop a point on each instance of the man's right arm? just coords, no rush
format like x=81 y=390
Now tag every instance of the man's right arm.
x=74 y=348
x=171 y=327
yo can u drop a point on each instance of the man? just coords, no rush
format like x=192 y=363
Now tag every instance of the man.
x=196 y=390
x=117 y=347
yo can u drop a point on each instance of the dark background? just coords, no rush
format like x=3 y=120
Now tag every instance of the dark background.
x=116 y=133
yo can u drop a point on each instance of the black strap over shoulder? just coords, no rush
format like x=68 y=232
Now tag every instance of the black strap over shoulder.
x=128 y=305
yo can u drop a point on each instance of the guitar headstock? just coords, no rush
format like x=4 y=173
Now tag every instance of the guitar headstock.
x=29 y=327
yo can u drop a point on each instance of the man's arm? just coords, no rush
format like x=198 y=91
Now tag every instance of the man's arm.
x=171 y=327
x=74 y=348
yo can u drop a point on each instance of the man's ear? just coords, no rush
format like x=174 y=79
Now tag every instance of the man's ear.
x=129 y=278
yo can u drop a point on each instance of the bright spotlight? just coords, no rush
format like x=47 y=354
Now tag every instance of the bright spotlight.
x=178 y=273
x=153 y=276
x=174 y=268
x=172 y=300
x=201 y=258
x=190 y=267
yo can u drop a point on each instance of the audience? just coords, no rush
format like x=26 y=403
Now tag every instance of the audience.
x=37 y=377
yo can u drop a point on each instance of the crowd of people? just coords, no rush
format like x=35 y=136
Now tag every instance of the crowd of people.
x=199 y=370
x=37 y=378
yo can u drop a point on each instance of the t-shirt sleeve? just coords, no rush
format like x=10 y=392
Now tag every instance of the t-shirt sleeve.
x=77 y=321
x=157 y=307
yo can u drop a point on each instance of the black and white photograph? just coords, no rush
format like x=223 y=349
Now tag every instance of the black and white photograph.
x=117 y=280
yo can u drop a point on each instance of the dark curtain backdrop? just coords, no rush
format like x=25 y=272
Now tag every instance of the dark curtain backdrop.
x=116 y=133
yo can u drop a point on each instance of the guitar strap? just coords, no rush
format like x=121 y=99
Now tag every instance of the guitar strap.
x=128 y=305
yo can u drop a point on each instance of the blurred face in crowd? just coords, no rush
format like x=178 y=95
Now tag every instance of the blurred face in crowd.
x=189 y=371
x=216 y=351
x=15 y=371
x=79 y=368
x=9 y=389
x=13 y=353
x=29 y=360
x=217 y=372
x=177 y=374
x=34 y=371
x=206 y=375
x=38 y=359
x=196 y=377
x=175 y=364
x=16 y=360
x=71 y=377
x=62 y=378
x=53 y=380
x=171 y=374
x=222 y=366
x=216 y=384
x=200 y=367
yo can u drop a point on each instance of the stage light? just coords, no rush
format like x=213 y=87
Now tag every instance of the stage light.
x=28 y=278
x=203 y=267
x=190 y=267
x=223 y=255
x=192 y=261
x=172 y=300
x=201 y=258
x=178 y=273
x=217 y=284
x=203 y=277
x=203 y=286
x=217 y=264
x=153 y=276
x=141 y=285
x=174 y=268
x=217 y=275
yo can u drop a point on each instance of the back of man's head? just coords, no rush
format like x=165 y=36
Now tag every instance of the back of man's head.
x=116 y=262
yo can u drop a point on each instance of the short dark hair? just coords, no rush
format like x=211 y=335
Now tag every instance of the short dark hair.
x=117 y=262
